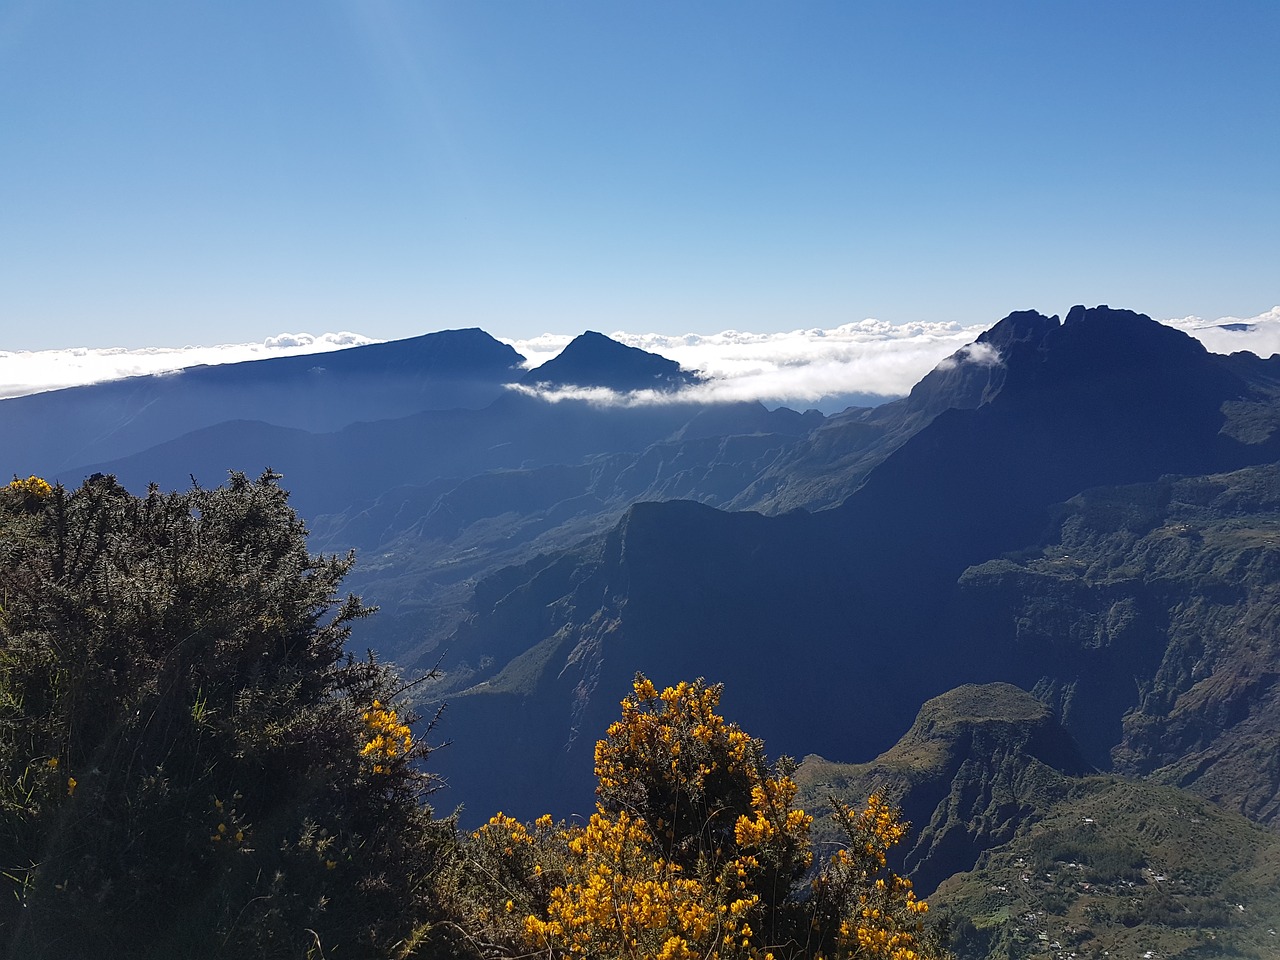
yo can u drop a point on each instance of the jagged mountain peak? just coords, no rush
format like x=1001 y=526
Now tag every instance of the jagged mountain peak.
x=594 y=360
x=1102 y=341
x=1021 y=326
x=1093 y=343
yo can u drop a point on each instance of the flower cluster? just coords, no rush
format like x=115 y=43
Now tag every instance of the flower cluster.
x=619 y=900
x=701 y=783
x=33 y=486
x=696 y=850
x=388 y=736
x=228 y=827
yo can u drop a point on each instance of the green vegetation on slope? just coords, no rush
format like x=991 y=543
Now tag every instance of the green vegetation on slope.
x=1048 y=861
x=1123 y=869
x=1150 y=626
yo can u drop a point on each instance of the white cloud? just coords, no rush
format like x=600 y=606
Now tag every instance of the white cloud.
x=31 y=371
x=983 y=354
x=803 y=366
x=797 y=367
x=1260 y=334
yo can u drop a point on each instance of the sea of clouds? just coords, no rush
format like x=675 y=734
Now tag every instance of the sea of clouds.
x=33 y=371
x=855 y=362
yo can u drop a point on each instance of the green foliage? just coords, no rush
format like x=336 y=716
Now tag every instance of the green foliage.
x=191 y=765
x=189 y=761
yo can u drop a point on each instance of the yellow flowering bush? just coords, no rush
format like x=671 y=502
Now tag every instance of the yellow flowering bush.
x=695 y=850
x=619 y=901
x=874 y=912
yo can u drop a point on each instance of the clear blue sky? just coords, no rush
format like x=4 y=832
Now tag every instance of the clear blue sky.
x=223 y=171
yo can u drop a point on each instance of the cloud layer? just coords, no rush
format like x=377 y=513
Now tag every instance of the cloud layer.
x=856 y=362
x=1260 y=334
x=33 y=371
x=800 y=368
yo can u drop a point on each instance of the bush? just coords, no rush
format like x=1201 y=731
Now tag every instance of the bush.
x=190 y=764
x=695 y=850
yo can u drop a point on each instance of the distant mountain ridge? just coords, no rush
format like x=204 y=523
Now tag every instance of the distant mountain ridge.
x=443 y=495
x=53 y=431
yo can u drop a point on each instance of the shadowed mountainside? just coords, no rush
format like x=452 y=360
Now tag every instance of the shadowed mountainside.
x=317 y=392
x=842 y=615
x=1148 y=622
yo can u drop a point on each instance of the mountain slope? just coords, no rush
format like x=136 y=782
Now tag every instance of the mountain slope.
x=1030 y=854
x=833 y=625
x=834 y=461
x=1150 y=621
x=323 y=392
x=979 y=763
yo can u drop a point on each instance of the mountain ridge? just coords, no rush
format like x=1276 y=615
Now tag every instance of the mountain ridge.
x=316 y=392
x=690 y=591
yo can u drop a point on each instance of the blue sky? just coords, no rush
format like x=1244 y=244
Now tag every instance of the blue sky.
x=224 y=171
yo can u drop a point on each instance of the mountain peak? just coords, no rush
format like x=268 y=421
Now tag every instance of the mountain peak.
x=594 y=360
x=1021 y=326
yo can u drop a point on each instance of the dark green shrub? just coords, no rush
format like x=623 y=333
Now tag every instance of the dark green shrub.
x=190 y=761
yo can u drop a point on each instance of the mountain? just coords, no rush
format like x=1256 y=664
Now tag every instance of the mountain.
x=834 y=460
x=980 y=763
x=1062 y=543
x=1147 y=622
x=829 y=628
x=594 y=360
x=322 y=392
x=440 y=497
x=1028 y=851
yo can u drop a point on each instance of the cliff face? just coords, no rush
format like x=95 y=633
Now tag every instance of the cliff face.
x=1025 y=849
x=1150 y=623
x=979 y=763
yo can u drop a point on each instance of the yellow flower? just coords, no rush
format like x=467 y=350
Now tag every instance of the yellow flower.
x=387 y=736
x=71 y=786
x=33 y=486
